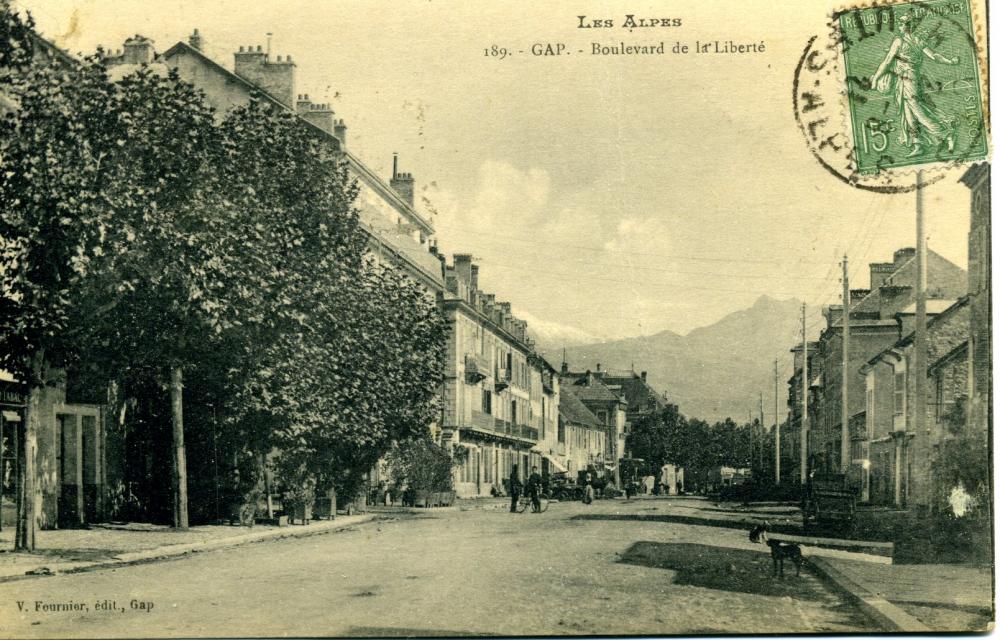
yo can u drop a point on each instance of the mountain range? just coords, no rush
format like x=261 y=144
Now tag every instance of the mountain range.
x=712 y=372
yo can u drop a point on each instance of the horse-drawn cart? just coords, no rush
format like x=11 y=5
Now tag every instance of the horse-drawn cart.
x=829 y=500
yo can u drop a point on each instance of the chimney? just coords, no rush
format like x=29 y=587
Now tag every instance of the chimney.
x=276 y=77
x=858 y=294
x=340 y=131
x=475 y=276
x=195 y=40
x=138 y=50
x=318 y=114
x=878 y=272
x=902 y=255
x=643 y=376
x=463 y=266
x=565 y=367
x=402 y=183
x=598 y=367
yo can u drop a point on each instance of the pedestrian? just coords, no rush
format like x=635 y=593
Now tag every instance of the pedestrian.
x=588 y=490
x=534 y=488
x=515 y=488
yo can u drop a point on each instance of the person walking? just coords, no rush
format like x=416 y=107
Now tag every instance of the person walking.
x=534 y=488
x=515 y=488
x=588 y=490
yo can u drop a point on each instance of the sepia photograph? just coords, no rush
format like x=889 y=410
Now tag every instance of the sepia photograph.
x=432 y=318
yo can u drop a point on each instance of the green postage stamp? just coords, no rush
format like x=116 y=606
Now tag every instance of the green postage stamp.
x=913 y=84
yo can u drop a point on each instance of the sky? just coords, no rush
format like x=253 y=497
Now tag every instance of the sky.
x=604 y=196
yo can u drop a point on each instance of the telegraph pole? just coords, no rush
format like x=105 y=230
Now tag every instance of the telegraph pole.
x=920 y=330
x=845 y=431
x=763 y=433
x=777 y=429
x=804 y=453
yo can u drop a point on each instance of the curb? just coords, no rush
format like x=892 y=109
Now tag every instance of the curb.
x=177 y=550
x=875 y=606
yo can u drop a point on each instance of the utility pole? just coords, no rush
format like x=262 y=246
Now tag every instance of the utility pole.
x=777 y=429
x=920 y=330
x=804 y=454
x=845 y=431
x=763 y=433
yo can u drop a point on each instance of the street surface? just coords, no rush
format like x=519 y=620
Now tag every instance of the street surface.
x=575 y=569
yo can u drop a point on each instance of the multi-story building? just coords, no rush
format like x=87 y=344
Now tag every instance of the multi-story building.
x=72 y=462
x=894 y=459
x=640 y=398
x=874 y=327
x=608 y=406
x=398 y=234
x=980 y=414
x=500 y=398
x=791 y=432
x=582 y=440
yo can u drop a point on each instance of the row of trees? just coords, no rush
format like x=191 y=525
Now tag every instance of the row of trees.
x=146 y=240
x=668 y=437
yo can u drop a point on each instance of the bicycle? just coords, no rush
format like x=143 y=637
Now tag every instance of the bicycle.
x=525 y=501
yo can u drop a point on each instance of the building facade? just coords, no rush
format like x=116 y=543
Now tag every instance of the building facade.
x=582 y=440
x=501 y=400
x=609 y=407
x=875 y=326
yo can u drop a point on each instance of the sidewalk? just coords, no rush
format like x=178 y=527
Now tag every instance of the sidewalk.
x=70 y=550
x=916 y=597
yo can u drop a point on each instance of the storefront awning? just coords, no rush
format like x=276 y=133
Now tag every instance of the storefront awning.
x=11 y=416
x=555 y=463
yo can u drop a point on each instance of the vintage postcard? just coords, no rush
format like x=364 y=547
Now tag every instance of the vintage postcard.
x=336 y=318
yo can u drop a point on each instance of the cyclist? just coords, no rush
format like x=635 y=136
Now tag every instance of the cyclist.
x=534 y=490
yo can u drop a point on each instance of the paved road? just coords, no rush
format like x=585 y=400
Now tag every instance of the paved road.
x=571 y=570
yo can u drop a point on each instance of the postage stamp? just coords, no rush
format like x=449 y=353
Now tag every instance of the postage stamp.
x=913 y=84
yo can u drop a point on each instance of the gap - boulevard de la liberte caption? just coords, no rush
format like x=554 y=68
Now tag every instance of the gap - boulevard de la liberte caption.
x=630 y=24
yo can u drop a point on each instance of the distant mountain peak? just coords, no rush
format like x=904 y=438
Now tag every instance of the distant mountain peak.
x=715 y=371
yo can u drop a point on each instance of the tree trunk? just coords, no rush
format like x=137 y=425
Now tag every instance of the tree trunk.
x=180 y=459
x=267 y=485
x=27 y=519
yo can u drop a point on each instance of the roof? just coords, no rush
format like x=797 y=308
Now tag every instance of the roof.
x=638 y=394
x=573 y=411
x=353 y=161
x=960 y=350
x=899 y=279
x=593 y=390
x=934 y=306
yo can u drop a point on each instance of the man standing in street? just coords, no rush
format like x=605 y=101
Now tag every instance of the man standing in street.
x=535 y=490
x=515 y=488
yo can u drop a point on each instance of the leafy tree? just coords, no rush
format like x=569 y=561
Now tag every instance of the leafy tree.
x=53 y=148
x=421 y=464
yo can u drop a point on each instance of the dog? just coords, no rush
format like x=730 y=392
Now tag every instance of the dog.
x=759 y=533
x=780 y=551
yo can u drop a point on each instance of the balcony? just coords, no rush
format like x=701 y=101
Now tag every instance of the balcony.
x=502 y=379
x=502 y=426
x=525 y=432
x=475 y=372
x=483 y=421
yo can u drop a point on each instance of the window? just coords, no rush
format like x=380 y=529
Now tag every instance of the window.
x=899 y=394
x=487 y=401
x=513 y=412
x=561 y=432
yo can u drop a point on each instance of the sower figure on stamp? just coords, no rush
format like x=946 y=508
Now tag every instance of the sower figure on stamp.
x=899 y=76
